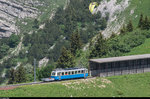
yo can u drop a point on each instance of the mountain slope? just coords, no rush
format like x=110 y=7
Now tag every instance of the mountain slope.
x=42 y=37
x=9 y=11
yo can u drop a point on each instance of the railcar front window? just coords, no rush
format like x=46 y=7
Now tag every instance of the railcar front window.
x=86 y=71
x=53 y=74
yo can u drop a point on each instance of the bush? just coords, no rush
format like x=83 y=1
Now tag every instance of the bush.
x=3 y=50
x=13 y=40
x=123 y=47
x=44 y=72
x=119 y=92
x=146 y=33
x=135 y=39
x=29 y=77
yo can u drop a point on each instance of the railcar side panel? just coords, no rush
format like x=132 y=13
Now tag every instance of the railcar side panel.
x=69 y=76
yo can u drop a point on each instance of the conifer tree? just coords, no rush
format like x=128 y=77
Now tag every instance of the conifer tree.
x=75 y=42
x=66 y=60
x=100 y=49
x=113 y=35
x=35 y=24
x=20 y=74
x=141 y=21
x=130 y=26
x=146 y=24
x=12 y=76
x=123 y=30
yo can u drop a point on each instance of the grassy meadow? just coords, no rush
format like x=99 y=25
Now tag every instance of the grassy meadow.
x=136 y=85
x=142 y=49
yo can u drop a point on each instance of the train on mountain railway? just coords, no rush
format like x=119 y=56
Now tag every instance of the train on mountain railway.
x=69 y=73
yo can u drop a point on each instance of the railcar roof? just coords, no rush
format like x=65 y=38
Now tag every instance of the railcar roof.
x=122 y=58
x=68 y=69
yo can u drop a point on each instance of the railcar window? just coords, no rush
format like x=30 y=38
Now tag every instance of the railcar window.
x=62 y=73
x=72 y=72
x=78 y=72
x=66 y=73
x=82 y=71
x=75 y=72
x=58 y=74
x=69 y=73
x=53 y=74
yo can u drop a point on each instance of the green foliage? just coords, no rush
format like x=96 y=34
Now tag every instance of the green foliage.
x=129 y=26
x=141 y=21
x=119 y=45
x=123 y=30
x=12 y=75
x=113 y=35
x=142 y=49
x=146 y=33
x=30 y=77
x=66 y=60
x=135 y=39
x=75 y=42
x=47 y=42
x=124 y=43
x=13 y=40
x=135 y=85
x=20 y=74
x=17 y=76
x=4 y=47
x=45 y=72
x=36 y=24
x=100 y=48
x=3 y=50
x=144 y=24
x=10 y=63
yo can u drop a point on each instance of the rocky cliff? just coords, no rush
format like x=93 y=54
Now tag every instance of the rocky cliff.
x=10 y=10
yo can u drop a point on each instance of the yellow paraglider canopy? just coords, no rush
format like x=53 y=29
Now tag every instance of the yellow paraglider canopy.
x=92 y=6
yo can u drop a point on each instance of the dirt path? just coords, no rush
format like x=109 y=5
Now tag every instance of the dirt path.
x=7 y=88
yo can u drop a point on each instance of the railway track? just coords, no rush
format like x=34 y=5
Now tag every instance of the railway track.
x=41 y=82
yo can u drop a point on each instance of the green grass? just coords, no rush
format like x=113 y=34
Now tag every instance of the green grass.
x=139 y=6
x=142 y=49
x=136 y=85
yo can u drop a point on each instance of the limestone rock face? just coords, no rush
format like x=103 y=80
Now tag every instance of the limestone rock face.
x=10 y=10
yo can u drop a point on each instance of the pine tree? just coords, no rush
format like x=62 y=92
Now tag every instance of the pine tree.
x=129 y=26
x=75 y=42
x=113 y=35
x=66 y=60
x=141 y=21
x=146 y=24
x=100 y=49
x=123 y=30
x=20 y=74
x=12 y=77
x=35 y=24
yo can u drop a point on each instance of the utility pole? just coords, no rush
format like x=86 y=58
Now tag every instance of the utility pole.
x=34 y=70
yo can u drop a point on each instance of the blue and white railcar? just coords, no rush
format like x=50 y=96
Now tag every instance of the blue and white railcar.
x=70 y=73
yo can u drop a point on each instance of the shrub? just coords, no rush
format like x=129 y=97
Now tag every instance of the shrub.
x=146 y=33
x=135 y=39
x=119 y=92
